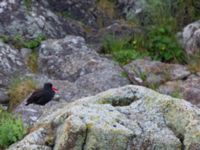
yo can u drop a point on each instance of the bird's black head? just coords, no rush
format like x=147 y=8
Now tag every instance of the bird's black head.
x=49 y=86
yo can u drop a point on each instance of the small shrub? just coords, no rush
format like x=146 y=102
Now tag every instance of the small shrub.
x=19 y=89
x=162 y=45
x=34 y=43
x=121 y=49
x=11 y=129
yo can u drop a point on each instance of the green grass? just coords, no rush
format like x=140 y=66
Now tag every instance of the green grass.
x=11 y=129
x=177 y=93
x=19 y=42
x=121 y=49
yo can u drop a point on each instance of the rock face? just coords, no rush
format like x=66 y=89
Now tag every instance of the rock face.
x=190 y=38
x=75 y=70
x=30 y=19
x=70 y=59
x=188 y=89
x=131 y=117
x=95 y=13
x=11 y=63
x=155 y=72
x=131 y=8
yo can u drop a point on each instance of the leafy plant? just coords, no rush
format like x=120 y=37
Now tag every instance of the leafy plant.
x=11 y=129
x=34 y=43
x=19 y=89
x=121 y=49
x=163 y=45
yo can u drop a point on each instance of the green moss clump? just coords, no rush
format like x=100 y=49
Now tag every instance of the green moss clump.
x=28 y=4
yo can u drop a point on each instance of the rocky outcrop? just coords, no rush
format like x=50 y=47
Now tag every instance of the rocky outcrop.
x=30 y=19
x=190 y=38
x=188 y=89
x=11 y=63
x=155 y=72
x=70 y=59
x=131 y=117
x=93 y=13
x=75 y=70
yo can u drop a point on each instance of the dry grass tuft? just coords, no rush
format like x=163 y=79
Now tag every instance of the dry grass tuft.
x=108 y=7
x=194 y=64
x=19 y=89
x=32 y=62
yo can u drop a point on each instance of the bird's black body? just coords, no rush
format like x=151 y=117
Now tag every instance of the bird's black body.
x=42 y=96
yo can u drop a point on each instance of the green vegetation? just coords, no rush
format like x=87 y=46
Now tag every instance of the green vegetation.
x=161 y=21
x=162 y=45
x=19 y=89
x=11 y=129
x=28 y=4
x=121 y=49
x=65 y=14
x=19 y=42
x=161 y=24
x=176 y=93
x=34 y=43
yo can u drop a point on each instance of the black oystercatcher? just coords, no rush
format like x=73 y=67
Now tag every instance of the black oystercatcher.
x=42 y=96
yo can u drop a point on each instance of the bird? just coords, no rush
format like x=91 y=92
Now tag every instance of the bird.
x=42 y=96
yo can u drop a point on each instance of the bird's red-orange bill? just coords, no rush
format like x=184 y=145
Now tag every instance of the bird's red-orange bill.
x=54 y=89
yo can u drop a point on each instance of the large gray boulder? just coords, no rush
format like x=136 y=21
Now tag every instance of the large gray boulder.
x=130 y=117
x=11 y=63
x=70 y=59
x=190 y=38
